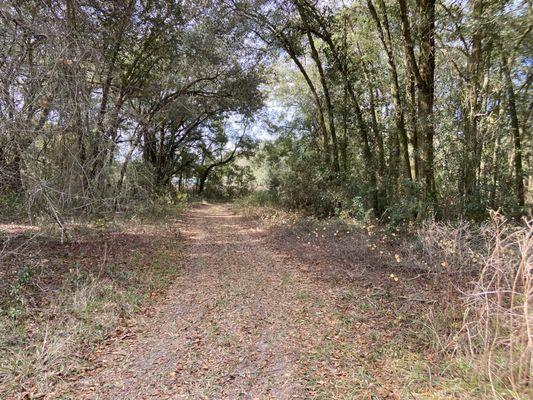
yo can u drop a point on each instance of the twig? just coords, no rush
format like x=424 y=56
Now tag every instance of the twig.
x=418 y=299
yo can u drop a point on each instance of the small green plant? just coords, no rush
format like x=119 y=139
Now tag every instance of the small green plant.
x=24 y=275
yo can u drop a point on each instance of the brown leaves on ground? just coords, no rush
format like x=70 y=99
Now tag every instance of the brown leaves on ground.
x=259 y=314
x=57 y=300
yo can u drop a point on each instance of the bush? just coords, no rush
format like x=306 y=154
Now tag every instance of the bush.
x=11 y=205
x=230 y=181
x=258 y=198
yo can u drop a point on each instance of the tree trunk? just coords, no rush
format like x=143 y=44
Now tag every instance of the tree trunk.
x=342 y=65
x=381 y=164
x=125 y=165
x=386 y=41
x=424 y=72
x=411 y=107
x=329 y=104
x=11 y=177
x=362 y=126
x=202 y=180
x=344 y=139
x=515 y=129
x=472 y=151
x=325 y=89
x=495 y=177
x=321 y=119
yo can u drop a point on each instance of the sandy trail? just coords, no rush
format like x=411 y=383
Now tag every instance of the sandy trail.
x=248 y=319
x=222 y=331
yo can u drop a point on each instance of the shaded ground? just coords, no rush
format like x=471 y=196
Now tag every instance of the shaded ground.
x=258 y=313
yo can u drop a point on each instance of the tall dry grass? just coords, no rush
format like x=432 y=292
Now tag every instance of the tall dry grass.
x=491 y=266
x=498 y=321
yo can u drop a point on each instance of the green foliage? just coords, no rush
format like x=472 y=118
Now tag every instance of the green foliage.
x=407 y=207
x=258 y=198
x=349 y=89
x=298 y=179
x=155 y=99
x=230 y=181
x=12 y=205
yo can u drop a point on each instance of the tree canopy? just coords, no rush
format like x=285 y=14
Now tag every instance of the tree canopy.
x=406 y=108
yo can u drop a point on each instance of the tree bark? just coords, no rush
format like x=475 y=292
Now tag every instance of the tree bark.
x=125 y=164
x=329 y=104
x=386 y=41
x=316 y=97
x=381 y=164
x=205 y=174
x=362 y=126
x=424 y=71
x=327 y=97
x=515 y=129
x=472 y=150
x=411 y=108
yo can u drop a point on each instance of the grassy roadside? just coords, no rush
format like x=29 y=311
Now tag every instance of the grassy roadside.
x=58 y=301
x=419 y=285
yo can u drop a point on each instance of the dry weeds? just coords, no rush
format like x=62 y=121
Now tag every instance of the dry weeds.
x=57 y=301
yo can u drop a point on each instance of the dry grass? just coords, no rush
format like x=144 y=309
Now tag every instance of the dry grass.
x=57 y=301
x=450 y=304
x=498 y=322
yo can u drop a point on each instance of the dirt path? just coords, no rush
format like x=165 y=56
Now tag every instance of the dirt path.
x=249 y=319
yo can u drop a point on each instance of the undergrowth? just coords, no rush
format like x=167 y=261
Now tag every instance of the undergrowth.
x=480 y=326
x=59 y=300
